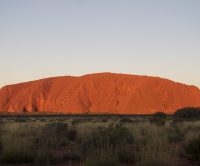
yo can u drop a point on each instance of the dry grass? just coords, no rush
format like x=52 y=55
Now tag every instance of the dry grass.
x=152 y=144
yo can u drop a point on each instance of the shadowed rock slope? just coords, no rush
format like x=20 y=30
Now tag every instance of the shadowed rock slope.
x=99 y=93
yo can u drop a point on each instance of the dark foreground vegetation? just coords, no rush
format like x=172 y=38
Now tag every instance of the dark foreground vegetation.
x=157 y=140
x=188 y=113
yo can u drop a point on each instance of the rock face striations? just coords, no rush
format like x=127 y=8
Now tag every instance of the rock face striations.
x=98 y=94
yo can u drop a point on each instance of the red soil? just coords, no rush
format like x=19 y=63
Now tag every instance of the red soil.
x=99 y=93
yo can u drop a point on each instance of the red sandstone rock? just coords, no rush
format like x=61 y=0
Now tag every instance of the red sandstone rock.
x=99 y=93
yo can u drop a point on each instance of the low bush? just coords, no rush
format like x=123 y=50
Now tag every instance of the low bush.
x=193 y=148
x=72 y=156
x=157 y=121
x=175 y=135
x=53 y=135
x=72 y=133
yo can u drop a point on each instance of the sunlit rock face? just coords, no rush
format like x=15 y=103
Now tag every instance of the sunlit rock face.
x=99 y=93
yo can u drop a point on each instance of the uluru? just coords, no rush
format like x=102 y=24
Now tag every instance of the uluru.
x=100 y=93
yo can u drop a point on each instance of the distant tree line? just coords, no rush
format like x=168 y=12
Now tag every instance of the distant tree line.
x=188 y=112
x=185 y=113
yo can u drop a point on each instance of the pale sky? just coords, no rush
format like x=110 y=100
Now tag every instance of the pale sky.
x=45 y=38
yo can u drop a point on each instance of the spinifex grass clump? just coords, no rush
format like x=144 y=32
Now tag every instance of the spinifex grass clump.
x=53 y=139
x=113 y=136
x=102 y=156
x=156 y=154
x=53 y=135
x=109 y=145
x=17 y=144
x=35 y=142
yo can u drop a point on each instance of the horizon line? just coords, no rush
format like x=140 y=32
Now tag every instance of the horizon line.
x=104 y=72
